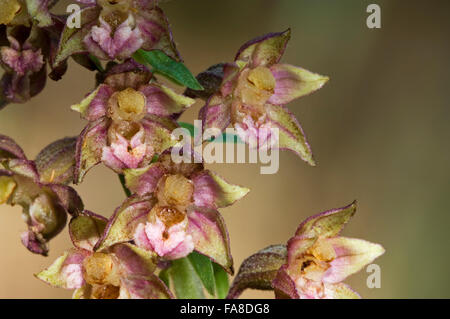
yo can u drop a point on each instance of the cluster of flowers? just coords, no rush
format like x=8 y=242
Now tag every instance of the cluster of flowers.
x=172 y=210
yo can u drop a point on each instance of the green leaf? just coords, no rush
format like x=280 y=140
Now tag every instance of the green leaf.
x=165 y=65
x=221 y=279
x=189 y=127
x=228 y=138
x=97 y=63
x=124 y=186
x=185 y=280
x=203 y=267
x=225 y=137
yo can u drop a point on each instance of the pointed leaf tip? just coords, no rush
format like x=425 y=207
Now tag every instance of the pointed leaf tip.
x=160 y=63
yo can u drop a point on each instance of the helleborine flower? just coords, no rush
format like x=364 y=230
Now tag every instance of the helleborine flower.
x=23 y=61
x=255 y=89
x=314 y=263
x=130 y=120
x=39 y=187
x=174 y=211
x=115 y=29
x=124 y=271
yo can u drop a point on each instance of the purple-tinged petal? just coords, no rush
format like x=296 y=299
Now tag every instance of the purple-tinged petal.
x=111 y=160
x=231 y=73
x=162 y=101
x=123 y=223
x=208 y=230
x=24 y=168
x=155 y=31
x=86 y=229
x=89 y=147
x=68 y=198
x=66 y=271
x=210 y=190
x=216 y=113
x=141 y=239
x=258 y=271
x=9 y=148
x=143 y=181
x=158 y=132
x=291 y=135
x=72 y=38
x=145 y=287
x=284 y=286
x=34 y=242
x=134 y=260
x=95 y=105
x=352 y=255
x=266 y=50
x=327 y=224
x=293 y=82
x=120 y=44
x=258 y=135
x=38 y=11
x=56 y=162
x=298 y=246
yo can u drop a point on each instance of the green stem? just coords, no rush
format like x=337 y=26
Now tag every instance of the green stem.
x=97 y=63
x=124 y=186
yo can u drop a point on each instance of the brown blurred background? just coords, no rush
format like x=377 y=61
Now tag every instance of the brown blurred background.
x=379 y=130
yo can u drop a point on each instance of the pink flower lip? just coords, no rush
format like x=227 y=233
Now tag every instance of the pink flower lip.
x=168 y=240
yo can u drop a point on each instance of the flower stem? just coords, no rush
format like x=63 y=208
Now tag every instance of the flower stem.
x=97 y=63
x=124 y=186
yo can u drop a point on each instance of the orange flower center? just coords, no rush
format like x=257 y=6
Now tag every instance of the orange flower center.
x=256 y=86
x=127 y=105
x=99 y=270
x=313 y=264
x=169 y=216
x=176 y=190
x=115 y=12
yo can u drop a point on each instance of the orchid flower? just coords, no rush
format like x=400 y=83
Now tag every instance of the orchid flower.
x=123 y=271
x=130 y=121
x=29 y=36
x=313 y=264
x=174 y=211
x=39 y=187
x=115 y=29
x=23 y=60
x=254 y=92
